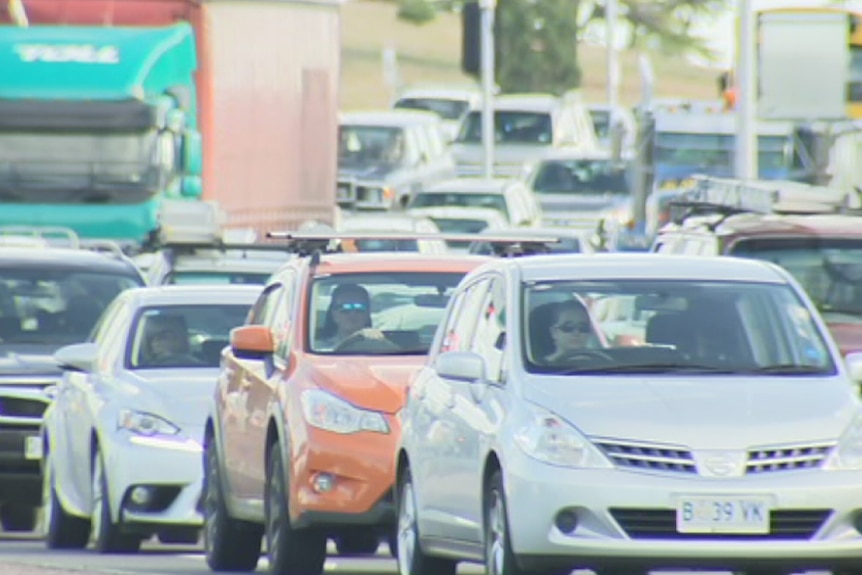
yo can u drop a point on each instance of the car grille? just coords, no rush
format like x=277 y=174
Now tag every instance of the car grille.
x=648 y=457
x=794 y=524
x=21 y=407
x=786 y=458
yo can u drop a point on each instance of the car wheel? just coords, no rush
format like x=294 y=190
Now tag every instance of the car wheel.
x=106 y=535
x=291 y=551
x=61 y=530
x=229 y=545
x=357 y=543
x=411 y=559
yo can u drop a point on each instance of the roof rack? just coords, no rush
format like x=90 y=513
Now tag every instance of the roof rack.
x=317 y=243
x=726 y=197
x=104 y=246
x=39 y=236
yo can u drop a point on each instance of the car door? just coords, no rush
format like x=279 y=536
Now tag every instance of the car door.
x=449 y=489
x=476 y=409
x=90 y=388
x=242 y=395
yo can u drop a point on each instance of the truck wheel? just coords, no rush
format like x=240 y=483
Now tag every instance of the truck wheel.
x=16 y=517
x=291 y=551
x=357 y=543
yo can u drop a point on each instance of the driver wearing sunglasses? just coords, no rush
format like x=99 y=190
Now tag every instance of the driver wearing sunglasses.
x=571 y=330
x=349 y=315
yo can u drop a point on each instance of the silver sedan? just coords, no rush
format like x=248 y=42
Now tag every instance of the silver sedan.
x=122 y=457
x=724 y=430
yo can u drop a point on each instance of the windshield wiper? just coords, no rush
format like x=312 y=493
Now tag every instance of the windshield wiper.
x=650 y=368
x=789 y=369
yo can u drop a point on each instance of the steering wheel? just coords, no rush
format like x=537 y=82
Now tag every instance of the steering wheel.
x=359 y=342
x=588 y=354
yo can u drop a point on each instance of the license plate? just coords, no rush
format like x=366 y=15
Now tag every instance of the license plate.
x=33 y=447
x=701 y=514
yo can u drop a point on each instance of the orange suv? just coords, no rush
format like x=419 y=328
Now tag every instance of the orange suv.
x=300 y=443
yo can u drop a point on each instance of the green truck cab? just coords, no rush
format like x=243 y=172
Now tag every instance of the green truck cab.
x=98 y=128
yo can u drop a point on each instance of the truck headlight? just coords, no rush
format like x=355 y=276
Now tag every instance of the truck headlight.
x=548 y=438
x=147 y=424
x=326 y=411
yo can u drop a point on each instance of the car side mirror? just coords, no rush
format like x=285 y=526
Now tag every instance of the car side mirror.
x=252 y=342
x=460 y=366
x=77 y=357
x=853 y=361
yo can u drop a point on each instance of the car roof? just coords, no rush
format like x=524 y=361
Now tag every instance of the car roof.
x=67 y=258
x=230 y=261
x=387 y=118
x=524 y=103
x=382 y=262
x=613 y=266
x=829 y=225
x=194 y=294
x=385 y=221
x=470 y=186
x=442 y=91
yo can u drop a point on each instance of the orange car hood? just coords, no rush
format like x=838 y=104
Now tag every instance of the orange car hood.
x=848 y=336
x=376 y=383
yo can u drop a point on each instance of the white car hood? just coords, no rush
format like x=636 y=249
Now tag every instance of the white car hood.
x=182 y=396
x=701 y=412
x=504 y=154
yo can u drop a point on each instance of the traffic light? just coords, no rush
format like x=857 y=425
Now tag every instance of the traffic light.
x=471 y=38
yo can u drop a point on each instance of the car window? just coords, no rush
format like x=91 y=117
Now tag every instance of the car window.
x=493 y=200
x=400 y=311
x=671 y=325
x=445 y=108
x=182 y=336
x=489 y=340
x=264 y=308
x=460 y=335
x=52 y=306
x=510 y=127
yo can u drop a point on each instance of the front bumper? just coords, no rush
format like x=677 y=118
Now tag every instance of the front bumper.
x=630 y=517
x=170 y=470
x=21 y=411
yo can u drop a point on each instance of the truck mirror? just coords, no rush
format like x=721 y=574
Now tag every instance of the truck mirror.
x=192 y=187
x=192 y=153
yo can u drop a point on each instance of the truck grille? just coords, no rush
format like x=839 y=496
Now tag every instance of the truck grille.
x=794 y=524
x=786 y=458
x=648 y=457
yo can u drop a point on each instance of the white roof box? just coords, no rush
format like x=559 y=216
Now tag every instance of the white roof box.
x=191 y=222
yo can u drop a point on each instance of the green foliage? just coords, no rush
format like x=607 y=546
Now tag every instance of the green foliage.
x=416 y=11
x=538 y=46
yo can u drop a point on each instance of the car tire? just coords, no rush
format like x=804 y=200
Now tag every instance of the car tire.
x=357 y=544
x=16 y=518
x=409 y=556
x=229 y=544
x=61 y=529
x=107 y=536
x=291 y=551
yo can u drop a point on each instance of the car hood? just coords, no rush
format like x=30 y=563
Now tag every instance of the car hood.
x=704 y=413
x=503 y=153
x=34 y=362
x=376 y=383
x=579 y=202
x=366 y=171
x=182 y=396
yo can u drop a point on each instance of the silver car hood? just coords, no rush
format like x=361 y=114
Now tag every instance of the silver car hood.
x=503 y=153
x=182 y=396
x=701 y=412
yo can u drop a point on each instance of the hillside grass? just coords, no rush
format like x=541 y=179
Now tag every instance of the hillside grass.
x=431 y=53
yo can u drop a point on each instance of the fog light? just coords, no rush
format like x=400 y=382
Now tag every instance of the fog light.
x=566 y=521
x=857 y=521
x=323 y=482
x=141 y=495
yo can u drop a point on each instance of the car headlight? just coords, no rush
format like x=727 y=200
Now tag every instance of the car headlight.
x=847 y=455
x=146 y=424
x=326 y=411
x=548 y=438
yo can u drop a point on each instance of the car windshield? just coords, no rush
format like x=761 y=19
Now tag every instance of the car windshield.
x=716 y=150
x=384 y=245
x=189 y=277
x=359 y=145
x=671 y=326
x=829 y=269
x=383 y=313
x=509 y=128
x=580 y=177
x=495 y=201
x=445 y=108
x=52 y=306
x=182 y=336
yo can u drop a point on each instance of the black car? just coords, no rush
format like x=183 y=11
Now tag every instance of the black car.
x=49 y=297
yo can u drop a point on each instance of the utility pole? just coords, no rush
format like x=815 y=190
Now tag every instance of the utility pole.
x=488 y=8
x=611 y=16
x=746 y=99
